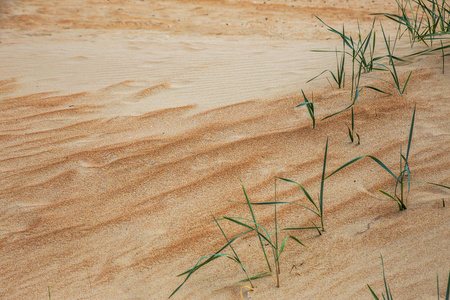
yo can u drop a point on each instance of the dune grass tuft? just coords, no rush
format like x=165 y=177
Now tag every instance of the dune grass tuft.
x=264 y=237
x=424 y=20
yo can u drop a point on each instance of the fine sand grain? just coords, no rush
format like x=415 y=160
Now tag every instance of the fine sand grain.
x=124 y=124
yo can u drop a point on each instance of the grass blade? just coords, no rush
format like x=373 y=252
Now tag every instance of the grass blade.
x=373 y=293
x=217 y=252
x=284 y=202
x=231 y=246
x=303 y=190
x=447 y=294
x=210 y=257
x=256 y=227
x=440 y=185
x=322 y=182
x=410 y=133
x=257 y=276
x=358 y=158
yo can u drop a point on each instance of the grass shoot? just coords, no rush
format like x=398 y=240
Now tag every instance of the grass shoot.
x=317 y=207
x=387 y=289
x=310 y=106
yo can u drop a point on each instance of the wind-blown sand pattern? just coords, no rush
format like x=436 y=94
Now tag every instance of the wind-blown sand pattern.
x=124 y=124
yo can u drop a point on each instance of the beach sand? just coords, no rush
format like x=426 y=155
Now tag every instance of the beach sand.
x=126 y=124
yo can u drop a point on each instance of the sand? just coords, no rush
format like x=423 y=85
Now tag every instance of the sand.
x=125 y=124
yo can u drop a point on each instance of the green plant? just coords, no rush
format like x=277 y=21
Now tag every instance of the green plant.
x=388 y=292
x=401 y=197
x=403 y=180
x=447 y=294
x=318 y=207
x=360 y=61
x=208 y=258
x=391 y=57
x=251 y=225
x=358 y=47
x=263 y=234
x=386 y=286
x=431 y=50
x=423 y=19
x=310 y=106
x=339 y=77
x=351 y=130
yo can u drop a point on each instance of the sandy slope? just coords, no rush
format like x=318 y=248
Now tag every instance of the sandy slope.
x=124 y=124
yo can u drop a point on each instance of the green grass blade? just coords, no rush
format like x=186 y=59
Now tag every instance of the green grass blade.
x=303 y=103
x=375 y=89
x=358 y=158
x=322 y=182
x=345 y=38
x=284 y=202
x=319 y=75
x=401 y=205
x=257 y=276
x=210 y=257
x=236 y=220
x=436 y=184
x=284 y=243
x=256 y=227
x=437 y=284
x=410 y=132
x=303 y=190
x=386 y=286
x=350 y=134
x=217 y=252
x=297 y=240
x=406 y=83
x=447 y=294
x=341 y=111
x=260 y=235
x=231 y=246
x=301 y=228
x=276 y=220
x=310 y=106
x=373 y=293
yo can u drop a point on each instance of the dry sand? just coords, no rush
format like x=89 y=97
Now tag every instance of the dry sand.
x=124 y=124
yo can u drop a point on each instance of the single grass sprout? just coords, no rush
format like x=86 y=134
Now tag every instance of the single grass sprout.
x=310 y=106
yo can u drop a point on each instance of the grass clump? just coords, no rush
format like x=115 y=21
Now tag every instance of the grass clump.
x=361 y=52
x=393 y=70
x=424 y=20
x=264 y=237
x=403 y=180
x=204 y=260
x=276 y=247
x=339 y=76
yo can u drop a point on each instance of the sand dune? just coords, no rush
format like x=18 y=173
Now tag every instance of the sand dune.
x=125 y=124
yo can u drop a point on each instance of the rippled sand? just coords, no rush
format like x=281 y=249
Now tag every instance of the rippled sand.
x=124 y=124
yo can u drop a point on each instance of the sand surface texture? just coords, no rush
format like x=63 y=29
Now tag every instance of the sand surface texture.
x=125 y=124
